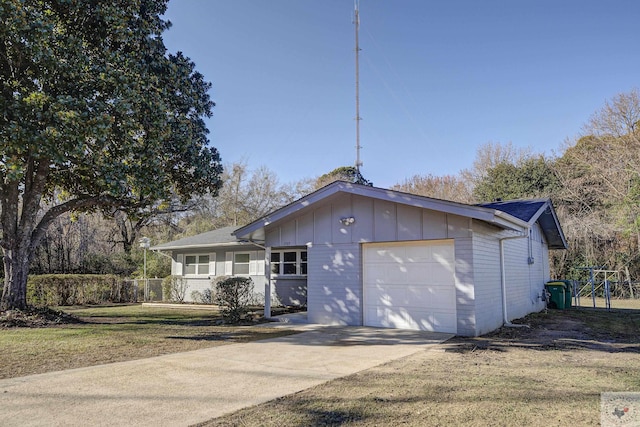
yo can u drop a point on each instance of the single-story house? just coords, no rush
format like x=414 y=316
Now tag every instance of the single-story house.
x=376 y=257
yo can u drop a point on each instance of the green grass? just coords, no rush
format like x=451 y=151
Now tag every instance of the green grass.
x=117 y=333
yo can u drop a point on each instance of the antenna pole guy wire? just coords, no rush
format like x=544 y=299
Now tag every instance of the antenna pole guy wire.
x=356 y=22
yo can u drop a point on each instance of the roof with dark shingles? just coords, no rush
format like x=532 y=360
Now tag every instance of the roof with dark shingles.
x=209 y=238
x=521 y=209
x=528 y=211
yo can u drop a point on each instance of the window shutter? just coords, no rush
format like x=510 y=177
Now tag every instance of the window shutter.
x=260 y=263
x=212 y=264
x=177 y=271
x=253 y=270
x=228 y=264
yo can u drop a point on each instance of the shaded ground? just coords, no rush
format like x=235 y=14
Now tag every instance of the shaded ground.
x=35 y=318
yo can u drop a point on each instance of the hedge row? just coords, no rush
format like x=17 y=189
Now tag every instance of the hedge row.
x=78 y=289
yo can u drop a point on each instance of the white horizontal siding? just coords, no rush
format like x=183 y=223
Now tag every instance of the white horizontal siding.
x=465 y=292
x=518 y=278
x=488 y=290
x=524 y=280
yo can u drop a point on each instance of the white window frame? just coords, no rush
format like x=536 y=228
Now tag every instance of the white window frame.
x=280 y=264
x=248 y=264
x=199 y=265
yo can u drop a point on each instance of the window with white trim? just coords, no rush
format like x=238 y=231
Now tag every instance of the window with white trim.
x=289 y=262
x=241 y=262
x=196 y=265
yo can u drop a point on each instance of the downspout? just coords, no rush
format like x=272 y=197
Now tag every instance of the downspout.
x=503 y=278
x=267 y=276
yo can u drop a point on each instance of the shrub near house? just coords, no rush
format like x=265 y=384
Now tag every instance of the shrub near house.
x=233 y=295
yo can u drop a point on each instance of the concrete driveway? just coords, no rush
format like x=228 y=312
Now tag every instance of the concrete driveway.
x=186 y=388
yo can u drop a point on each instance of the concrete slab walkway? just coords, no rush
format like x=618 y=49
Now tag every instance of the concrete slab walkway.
x=186 y=388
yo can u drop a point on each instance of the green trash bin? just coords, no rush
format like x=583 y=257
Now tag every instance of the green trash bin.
x=557 y=291
x=568 y=293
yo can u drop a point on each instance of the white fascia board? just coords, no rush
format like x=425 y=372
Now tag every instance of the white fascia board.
x=196 y=246
x=254 y=231
x=505 y=220
x=539 y=212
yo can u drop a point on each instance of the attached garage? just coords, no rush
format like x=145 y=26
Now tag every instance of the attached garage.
x=384 y=258
x=410 y=285
x=360 y=255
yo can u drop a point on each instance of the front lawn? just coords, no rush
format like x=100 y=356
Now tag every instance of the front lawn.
x=115 y=334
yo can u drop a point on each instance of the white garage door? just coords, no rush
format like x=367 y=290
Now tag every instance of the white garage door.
x=410 y=285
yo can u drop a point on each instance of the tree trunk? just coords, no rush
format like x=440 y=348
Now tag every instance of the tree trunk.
x=16 y=269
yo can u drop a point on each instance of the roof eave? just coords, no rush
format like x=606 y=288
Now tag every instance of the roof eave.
x=505 y=220
x=195 y=246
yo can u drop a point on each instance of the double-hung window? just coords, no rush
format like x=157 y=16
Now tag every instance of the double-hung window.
x=289 y=262
x=241 y=262
x=196 y=265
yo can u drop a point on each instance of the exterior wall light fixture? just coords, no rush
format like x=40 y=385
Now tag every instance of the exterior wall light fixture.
x=347 y=221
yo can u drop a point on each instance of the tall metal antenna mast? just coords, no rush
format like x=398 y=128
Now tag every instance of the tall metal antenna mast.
x=356 y=22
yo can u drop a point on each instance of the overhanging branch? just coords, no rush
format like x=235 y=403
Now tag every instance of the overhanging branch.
x=68 y=206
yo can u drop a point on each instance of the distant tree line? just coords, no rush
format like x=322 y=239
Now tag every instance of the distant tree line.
x=594 y=185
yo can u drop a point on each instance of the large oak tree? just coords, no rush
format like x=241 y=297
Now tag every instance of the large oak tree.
x=94 y=114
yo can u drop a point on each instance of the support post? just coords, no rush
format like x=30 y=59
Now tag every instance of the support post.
x=592 y=279
x=267 y=282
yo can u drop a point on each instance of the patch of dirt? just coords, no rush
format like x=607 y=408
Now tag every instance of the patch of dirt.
x=555 y=330
x=35 y=317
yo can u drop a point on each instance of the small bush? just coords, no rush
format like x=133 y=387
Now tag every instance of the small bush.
x=233 y=295
x=174 y=289
x=204 y=297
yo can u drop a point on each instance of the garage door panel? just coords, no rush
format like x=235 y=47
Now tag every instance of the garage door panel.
x=410 y=286
x=378 y=273
x=401 y=296
x=443 y=322
x=418 y=254
x=415 y=319
x=411 y=296
x=444 y=251
x=439 y=277
x=442 y=298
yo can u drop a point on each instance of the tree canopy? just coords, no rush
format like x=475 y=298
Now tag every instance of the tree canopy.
x=532 y=177
x=343 y=173
x=94 y=114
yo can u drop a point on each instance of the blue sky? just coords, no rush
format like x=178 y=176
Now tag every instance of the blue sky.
x=437 y=78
